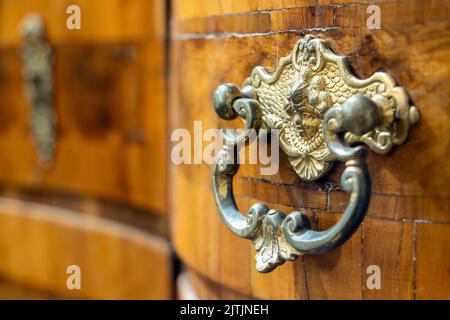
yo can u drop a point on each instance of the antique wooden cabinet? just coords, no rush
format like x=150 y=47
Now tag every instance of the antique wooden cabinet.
x=406 y=230
x=87 y=174
x=87 y=187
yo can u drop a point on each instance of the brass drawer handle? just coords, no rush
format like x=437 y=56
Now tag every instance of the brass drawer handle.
x=312 y=83
x=37 y=71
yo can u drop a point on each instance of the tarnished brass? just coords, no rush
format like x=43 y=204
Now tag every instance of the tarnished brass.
x=321 y=111
x=37 y=71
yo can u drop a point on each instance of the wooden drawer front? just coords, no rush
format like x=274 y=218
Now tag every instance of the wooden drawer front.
x=38 y=243
x=408 y=222
x=108 y=99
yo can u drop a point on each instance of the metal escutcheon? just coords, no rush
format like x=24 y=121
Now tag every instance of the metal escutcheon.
x=37 y=71
x=323 y=114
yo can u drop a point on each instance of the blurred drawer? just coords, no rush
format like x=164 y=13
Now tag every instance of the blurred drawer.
x=108 y=101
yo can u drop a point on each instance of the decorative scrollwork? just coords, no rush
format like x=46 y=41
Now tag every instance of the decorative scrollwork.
x=321 y=110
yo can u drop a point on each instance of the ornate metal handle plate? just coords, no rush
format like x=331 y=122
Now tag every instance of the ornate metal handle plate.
x=37 y=70
x=323 y=114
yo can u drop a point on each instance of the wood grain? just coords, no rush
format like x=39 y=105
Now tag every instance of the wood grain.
x=14 y=291
x=102 y=21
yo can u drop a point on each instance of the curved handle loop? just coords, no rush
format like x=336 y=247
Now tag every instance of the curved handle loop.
x=333 y=113
x=291 y=235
